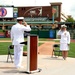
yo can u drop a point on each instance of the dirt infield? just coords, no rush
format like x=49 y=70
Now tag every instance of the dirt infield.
x=46 y=48
x=5 y=40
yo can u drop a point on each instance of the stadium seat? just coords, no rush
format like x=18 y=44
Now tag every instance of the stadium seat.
x=56 y=52
x=10 y=53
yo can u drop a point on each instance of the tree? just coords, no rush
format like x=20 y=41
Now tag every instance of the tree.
x=70 y=19
x=70 y=22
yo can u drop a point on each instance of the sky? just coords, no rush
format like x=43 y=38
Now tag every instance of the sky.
x=68 y=6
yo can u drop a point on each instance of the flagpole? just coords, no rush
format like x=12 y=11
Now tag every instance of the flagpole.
x=53 y=18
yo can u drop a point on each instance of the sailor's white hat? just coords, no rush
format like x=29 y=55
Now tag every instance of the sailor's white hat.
x=20 y=18
x=63 y=26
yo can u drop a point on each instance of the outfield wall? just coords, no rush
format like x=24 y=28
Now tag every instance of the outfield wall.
x=44 y=33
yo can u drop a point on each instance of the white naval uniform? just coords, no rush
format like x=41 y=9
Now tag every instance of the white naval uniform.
x=17 y=36
x=65 y=40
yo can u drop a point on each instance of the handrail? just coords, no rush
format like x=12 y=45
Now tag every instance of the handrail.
x=37 y=22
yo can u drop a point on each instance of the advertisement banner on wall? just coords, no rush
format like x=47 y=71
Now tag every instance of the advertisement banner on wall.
x=6 y=12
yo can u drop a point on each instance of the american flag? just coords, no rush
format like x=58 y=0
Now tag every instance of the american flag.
x=54 y=10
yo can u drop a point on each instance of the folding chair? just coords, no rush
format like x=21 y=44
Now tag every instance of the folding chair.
x=56 y=52
x=10 y=52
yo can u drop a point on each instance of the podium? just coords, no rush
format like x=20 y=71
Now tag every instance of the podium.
x=32 y=54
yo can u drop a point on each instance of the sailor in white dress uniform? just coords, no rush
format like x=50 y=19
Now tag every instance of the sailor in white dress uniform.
x=64 y=40
x=17 y=36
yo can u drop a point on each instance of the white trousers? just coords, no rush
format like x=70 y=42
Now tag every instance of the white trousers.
x=18 y=53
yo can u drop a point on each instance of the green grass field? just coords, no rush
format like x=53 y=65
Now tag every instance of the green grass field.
x=4 y=46
x=72 y=50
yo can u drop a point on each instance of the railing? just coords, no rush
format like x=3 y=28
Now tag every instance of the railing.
x=34 y=21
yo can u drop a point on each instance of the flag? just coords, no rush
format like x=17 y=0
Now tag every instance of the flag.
x=54 y=10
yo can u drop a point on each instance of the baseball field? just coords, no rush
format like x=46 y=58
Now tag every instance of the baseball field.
x=43 y=43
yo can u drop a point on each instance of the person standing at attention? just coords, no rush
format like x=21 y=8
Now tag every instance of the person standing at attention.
x=64 y=36
x=17 y=36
